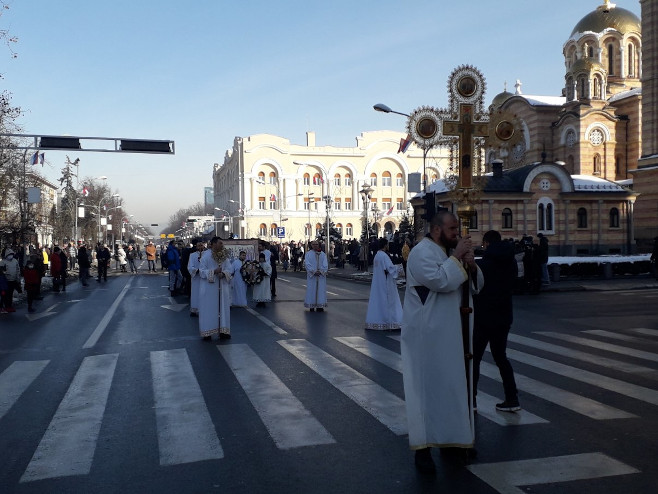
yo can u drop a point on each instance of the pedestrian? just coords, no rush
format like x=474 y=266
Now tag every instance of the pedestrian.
x=84 y=264
x=238 y=285
x=296 y=254
x=406 y=249
x=493 y=315
x=32 y=282
x=12 y=273
x=216 y=272
x=542 y=258
x=150 y=256
x=4 y=288
x=274 y=259
x=193 y=265
x=103 y=258
x=131 y=254
x=384 y=307
x=654 y=257
x=121 y=257
x=436 y=386
x=262 y=290
x=173 y=266
x=316 y=278
x=56 y=269
x=73 y=256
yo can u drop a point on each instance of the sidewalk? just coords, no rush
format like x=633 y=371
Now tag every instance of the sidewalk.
x=639 y=282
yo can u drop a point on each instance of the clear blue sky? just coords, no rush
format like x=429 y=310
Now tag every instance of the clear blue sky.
x=202 y=72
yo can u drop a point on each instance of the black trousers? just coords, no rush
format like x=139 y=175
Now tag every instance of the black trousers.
x=496 y=337
x=102 y=270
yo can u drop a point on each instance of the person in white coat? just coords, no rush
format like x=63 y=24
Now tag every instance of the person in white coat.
x=436 y=386
x=262 y=291
x=384 y=307
x=238 y=286
x=216 y=272
x=193 y=265
x=316 y=278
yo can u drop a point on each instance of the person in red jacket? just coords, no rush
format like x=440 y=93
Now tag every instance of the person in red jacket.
x=32 y=282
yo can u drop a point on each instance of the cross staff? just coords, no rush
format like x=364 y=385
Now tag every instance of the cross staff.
x=466 y=130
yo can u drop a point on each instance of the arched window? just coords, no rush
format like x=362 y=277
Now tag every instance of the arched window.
x=386 y=179
x=307 y=179
x=545 y=213
x=348 y=179
x=631 y=60
x=507 y=218
x=272 y=178
x=339 y=228
x=373 y=179
x=581 y=216
x=614 y=218
x=349 y=230
x=317 y=179
x=261 y=203
x=399 y=181
x=583 y=86
x=337 y=179
x=262 y=230
x=596 y=164
x=261 y=177
x=611 y=59
x=597 y=88
x=590 y=52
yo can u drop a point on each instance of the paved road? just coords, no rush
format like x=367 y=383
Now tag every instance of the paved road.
x=110 y=389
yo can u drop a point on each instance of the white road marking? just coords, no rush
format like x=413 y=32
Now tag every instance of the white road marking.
x=173 y=305
x=629 y=352
x=617 y=336
x=288 y=422
x=67 y=448
x=95 y=336
x=650 y=332
x=505 y=476
x=486 y=403
x=266 y=321
x=380 y=403
x=332 y=293
x=15 y=379
x=186 y=432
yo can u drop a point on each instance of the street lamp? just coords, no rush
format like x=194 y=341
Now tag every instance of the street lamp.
x=241 y=207
x=385 y=109
x=327 y=198
x=366 y=194
x=227 y=215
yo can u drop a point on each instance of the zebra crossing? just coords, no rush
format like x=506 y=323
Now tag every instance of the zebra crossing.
x=187 y=433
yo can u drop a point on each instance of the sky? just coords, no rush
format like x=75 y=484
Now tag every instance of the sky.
x=201 y=72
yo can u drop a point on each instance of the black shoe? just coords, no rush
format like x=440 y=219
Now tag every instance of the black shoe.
x=424 y=462
x=30 y=309
x=508 y=406
x=320 y=309
x=312 y=309
x=207 y=338
x=460 y=456
x=224 y=336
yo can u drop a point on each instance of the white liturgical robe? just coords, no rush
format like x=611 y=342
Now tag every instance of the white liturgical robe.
x=384 y=307
x=238 y=286
x=435 y=384
x=262 y=292
x=193 y=268
x=316 y=279
x=214 y=296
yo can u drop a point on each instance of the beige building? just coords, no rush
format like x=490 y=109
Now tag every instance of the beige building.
x=266 y=183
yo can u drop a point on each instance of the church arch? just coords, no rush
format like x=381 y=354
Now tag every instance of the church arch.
x=581 y=218
x=614 y=218
x=507 y=218
x=545 y=215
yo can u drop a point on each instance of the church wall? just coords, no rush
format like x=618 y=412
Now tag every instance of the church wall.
x=645 y=214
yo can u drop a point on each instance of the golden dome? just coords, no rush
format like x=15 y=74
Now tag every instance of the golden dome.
x=585 y=65
x=609 y=16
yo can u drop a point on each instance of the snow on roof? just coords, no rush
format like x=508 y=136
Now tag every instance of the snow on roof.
x=625 y=94
x=438 y=186
x=544 y=100
x=612 y=258
x=587 y=182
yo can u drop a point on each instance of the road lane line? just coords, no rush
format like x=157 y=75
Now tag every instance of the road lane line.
x=629 y=352
x=15 y=379
x=377 y=401
x=505 y=476
x=622 y=337
x=266 y=321
x=486 y=403
x=186 y=432
x=95 y=336
x=68 y=445
x=288 y=422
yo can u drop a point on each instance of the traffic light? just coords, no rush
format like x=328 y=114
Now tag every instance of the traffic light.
x=430 y=206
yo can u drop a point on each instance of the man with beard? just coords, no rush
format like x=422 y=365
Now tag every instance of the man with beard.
x=435 y=382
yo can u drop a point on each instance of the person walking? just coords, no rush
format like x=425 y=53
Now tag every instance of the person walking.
x=384 y=307
x=216 y=272
x=84 y=264
x=436 y=386
x=238 y=285
x=150 y=256
x=542 y=258
x=262 y=290
x=131 y=254
x=316 y=278
x=121 y=257
x=12 y=273
x=494 y=314
x=32 y=282
x=103 y=258
x=56 y=269
x=193 y=266
x=173 y=265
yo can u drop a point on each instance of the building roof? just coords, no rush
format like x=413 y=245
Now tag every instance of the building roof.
x=608 y=17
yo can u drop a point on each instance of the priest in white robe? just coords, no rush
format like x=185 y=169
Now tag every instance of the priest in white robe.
x=216 y=272
x=262 y=291
x=316 y=278
x=238 y=286
x=439 y=411
x=384 y=307
x=193 y=265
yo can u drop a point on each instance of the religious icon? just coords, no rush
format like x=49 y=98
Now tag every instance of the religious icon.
x=466 y=86
x=426 y=128
x=505 y=130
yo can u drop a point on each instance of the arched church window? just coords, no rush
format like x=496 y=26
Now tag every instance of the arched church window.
x=597 y=88
x=262 y=229
x=272 y=178
x=307 y=179
x=541 y=217
x=596 y=165
x=631 y=60
x=507 y=218
x=590 y=52
x=545 y=213
x=582 y=90
x=611 y=59
x=581 y=216
x=261 y=177
x=614 y=218
x=386 y=179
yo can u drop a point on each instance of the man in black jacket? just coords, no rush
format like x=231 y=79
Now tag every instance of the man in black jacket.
x=494 y=314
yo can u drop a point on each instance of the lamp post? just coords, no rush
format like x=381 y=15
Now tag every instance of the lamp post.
x=241 y=207
x=122 y=227
x=309 y=217
x=327 y=198
x=111 y=224
x=228 y=215
x=98 y=238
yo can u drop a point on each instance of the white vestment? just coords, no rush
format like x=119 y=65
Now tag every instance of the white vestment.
x=193 y=267
x=384 y=307
x=316 y=279
x=434 y=377
x=262 y=292
x=238 y=286
x=214 y=296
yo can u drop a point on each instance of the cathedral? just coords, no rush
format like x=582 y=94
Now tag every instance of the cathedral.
x=571 y=174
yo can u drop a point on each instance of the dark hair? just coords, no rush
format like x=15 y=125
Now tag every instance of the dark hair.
x=381 y=243
x=491 y=237
x=261 y=256
x=440 y=217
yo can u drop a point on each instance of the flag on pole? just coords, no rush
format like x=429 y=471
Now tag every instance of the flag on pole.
x=272 y=198
x=390 y=210
x=85 y=192
x=404 y=144
x=35 y=158
x=317 y=180
x=42 y=158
